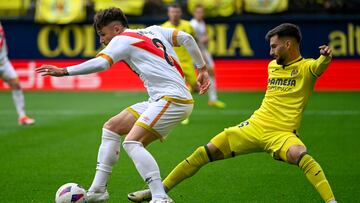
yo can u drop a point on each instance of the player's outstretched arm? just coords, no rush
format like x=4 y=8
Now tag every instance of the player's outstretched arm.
x=325 y=50
x=203 y=80
x=50 y=70
x=91 y=66
x=321 y=64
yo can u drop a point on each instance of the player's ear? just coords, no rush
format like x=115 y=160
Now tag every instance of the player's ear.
x=288 y=43
x=118 y=28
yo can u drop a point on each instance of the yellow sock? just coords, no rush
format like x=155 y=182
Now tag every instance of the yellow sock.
x=186 y=168
x=316 y=176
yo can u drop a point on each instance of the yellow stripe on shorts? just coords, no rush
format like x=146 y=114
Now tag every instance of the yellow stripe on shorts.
x=133 y=112
x=138 y=123
x=177 y=100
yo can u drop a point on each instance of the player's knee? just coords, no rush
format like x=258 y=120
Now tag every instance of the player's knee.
x=295 y=153
x=109 y=125
x=213 y=152
x=116 y=127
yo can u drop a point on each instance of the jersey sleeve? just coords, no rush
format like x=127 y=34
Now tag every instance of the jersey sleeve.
x=318 y=66
x=116 y=50
x=191 y=46
x=90 y=66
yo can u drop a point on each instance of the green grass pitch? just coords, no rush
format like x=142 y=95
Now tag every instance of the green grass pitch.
x=62 y=147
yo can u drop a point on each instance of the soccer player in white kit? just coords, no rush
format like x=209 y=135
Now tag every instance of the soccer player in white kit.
x=199 y=25
x=149 y=53
x=8 y=74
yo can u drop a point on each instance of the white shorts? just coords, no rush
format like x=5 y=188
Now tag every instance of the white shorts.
x=7 y=71
x=161 y=116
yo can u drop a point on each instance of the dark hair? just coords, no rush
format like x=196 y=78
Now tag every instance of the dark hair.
x=104 y=17
x=198 y=6
x=285 y=30
x=175 y=5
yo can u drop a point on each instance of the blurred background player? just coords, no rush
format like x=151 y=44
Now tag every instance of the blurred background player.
x=199 y=25
x=273 y=128
x=8 y=74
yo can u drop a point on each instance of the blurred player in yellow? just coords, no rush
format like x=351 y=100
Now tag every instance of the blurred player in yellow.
x=8 y=74
x=199 y=25
x=273 y=128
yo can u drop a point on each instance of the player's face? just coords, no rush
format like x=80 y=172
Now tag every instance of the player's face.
x=199 y=13
x=278 y=49
x=109 y=31
x=174 y=14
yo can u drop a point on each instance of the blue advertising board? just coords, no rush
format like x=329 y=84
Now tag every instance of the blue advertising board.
x=230 y=38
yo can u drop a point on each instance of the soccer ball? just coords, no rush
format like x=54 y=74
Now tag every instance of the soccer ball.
x=70 y=193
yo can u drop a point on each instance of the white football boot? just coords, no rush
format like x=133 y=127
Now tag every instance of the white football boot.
x=97 y=196
x=162 y=200
x=140 y=196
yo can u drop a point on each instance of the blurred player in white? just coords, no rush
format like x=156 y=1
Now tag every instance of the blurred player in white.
x=199 y=25
x=149 y=53
x=8 y=74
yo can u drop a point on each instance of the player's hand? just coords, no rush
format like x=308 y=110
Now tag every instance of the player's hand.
x=203 y=80
x=50 y=70
x=325 y=50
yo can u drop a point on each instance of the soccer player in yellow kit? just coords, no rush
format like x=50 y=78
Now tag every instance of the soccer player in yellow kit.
x=273 y=128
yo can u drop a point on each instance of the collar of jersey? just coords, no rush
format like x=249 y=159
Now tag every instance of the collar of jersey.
x=293 y=62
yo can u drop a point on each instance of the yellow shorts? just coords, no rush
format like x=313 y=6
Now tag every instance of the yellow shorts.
x=189 y=73
x=249 y=137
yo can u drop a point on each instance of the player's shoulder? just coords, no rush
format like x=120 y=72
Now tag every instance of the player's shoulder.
x=194 y=23
x=185 y=22
x=153 y=28
x=273 y=63
x=166 y=24
x=306 y=62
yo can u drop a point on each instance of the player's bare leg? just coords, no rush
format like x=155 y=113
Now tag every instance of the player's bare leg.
x=19 y=101
x=146 y=165
x=297 y=154
x=109 y=152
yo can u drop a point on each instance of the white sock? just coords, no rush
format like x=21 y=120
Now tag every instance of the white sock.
x=146 y=166
x=212 y=89
x=108 y=156
x=19 y=102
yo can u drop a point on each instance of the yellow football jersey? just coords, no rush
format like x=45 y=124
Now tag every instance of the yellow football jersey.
x=288 y=91
x=181 y=52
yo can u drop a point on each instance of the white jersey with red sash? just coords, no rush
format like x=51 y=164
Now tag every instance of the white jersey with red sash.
x=149 y=53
